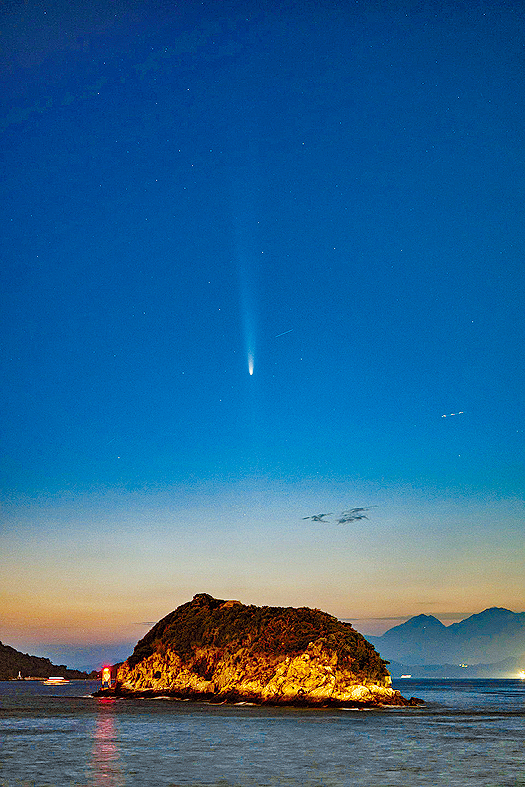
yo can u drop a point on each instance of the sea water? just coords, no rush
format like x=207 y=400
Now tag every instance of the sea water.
x=470 y=732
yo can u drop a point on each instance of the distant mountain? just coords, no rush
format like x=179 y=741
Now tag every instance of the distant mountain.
x=13 y=662
x=489 y=637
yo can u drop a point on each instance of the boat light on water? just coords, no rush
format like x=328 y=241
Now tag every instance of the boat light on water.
x=55 y=681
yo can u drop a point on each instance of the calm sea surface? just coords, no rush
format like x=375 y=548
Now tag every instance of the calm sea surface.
x=470 y=732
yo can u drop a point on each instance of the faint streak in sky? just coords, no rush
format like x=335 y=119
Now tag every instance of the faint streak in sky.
x=451 y=414
x=284 y=333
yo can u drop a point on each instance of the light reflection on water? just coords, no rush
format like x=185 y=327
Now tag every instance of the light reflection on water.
x=105 y=762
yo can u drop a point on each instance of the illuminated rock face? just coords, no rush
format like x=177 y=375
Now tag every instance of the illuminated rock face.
x=223 y=650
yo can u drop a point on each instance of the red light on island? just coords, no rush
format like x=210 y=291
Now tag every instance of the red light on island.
x=106 y=677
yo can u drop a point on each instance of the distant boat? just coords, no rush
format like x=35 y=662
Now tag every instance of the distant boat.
x=55 y=681
x=406 y=676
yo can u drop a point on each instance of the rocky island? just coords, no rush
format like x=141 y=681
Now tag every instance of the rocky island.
x=224 y=651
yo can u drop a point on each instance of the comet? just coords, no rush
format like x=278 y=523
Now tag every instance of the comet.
x=250 y=364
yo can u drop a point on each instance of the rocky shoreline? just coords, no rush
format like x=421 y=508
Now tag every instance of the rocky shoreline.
x=234 y=698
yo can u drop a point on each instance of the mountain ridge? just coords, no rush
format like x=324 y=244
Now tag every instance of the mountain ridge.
x=490 y=636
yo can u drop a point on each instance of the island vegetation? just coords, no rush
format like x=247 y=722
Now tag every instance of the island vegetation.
x=272 y=631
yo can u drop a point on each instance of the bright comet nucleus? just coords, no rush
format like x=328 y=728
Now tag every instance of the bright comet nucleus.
x=250 y=363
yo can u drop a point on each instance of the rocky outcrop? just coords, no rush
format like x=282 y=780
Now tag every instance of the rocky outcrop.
x=225 y=651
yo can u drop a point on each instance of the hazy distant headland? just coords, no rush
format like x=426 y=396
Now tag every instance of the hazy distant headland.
x=14 y=663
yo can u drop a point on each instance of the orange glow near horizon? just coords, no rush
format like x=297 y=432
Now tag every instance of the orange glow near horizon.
x=262 y=552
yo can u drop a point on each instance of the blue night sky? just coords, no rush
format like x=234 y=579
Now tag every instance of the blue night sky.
x=329 y=194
